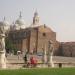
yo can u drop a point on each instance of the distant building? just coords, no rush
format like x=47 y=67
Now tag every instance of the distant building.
x=67 y=49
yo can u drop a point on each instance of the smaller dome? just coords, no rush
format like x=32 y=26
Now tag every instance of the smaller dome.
x=5 y=24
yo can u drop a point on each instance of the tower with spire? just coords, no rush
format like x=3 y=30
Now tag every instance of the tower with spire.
x=36 y=18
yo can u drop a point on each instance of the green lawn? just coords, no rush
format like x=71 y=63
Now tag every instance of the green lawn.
x=42 y=71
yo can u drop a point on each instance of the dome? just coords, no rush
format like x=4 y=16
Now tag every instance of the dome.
x=5 y=24
x=20 y=21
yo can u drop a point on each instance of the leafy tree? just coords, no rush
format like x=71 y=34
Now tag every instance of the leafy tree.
x=10 y=46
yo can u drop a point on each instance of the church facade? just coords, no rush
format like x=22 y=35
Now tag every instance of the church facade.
x=33 y=38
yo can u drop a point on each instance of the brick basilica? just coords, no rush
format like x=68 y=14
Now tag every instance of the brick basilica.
x=35 y=37
x=32 y=38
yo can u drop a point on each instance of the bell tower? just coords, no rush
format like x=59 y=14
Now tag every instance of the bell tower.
x=35 y=18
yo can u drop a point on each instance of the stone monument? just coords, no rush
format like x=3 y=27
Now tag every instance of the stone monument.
x=4 y=28
x=2 y=47
x=50 y=54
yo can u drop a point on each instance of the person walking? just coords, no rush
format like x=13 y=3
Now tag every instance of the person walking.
x=25 y=58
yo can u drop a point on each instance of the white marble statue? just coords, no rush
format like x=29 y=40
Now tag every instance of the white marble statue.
x=2 y=47
x=50 y=54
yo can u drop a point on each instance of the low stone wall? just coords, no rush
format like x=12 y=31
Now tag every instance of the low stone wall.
x=40 y=65
x=64 y=64
x=13 y=62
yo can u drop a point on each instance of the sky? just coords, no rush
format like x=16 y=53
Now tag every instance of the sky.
x=59 y=15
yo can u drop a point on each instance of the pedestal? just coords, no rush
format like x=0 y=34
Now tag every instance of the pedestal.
x=51 y=61
x=2 y=51
x=2 y=59
x=50 y=54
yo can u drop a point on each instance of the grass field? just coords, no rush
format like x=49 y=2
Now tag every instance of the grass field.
x=41 y=71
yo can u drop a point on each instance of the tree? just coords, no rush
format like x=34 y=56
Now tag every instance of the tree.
x=10 y=46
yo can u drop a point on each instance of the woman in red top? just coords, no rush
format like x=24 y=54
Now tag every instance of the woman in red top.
x=33 y=61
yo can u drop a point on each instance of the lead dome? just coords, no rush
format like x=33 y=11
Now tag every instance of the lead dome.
x=20 y=20
x=5 y=24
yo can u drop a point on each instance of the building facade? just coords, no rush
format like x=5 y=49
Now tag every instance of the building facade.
x=33 y=38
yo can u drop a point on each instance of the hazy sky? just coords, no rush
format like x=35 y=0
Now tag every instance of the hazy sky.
x=57 y=14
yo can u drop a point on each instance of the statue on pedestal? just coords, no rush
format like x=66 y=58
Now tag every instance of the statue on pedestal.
x=4 y=27
x=2 y=47
x=50 y=54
